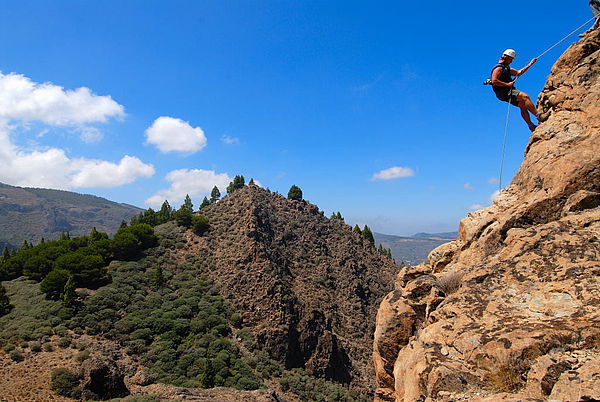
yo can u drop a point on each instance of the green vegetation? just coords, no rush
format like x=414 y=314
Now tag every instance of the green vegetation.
x=215 y=194
x=384 y=251
x=187 y=203
x=309 y=388
x=205 y=203
x=5 y=305
x=368 y=235
x=337 y=215
x=65 y=383
x=163 y=311
x=183 y=217
x=236 y=184
x=62 y=265
x=199 y=224
x=295 y=193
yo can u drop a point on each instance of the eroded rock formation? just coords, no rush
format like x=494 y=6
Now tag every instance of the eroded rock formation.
x=511 y=309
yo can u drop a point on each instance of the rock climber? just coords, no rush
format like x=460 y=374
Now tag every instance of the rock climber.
x=504 y=86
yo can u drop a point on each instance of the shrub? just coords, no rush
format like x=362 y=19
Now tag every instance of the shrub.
x=35 y=346
x=295 y=193
x=82 y=356
x=64 y=342
x=54 y=283
x=47 y=347
x=8 y=347
x=199 y=224
x=65 y=383
x=450 y=282
x=16 y=355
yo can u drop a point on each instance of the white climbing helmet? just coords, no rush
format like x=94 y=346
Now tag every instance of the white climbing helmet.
x=510 y=52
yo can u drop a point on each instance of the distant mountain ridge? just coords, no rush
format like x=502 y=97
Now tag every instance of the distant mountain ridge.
x=35 y=213
x=413 y=249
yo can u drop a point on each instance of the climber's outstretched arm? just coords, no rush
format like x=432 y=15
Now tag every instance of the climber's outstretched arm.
x=524 y=69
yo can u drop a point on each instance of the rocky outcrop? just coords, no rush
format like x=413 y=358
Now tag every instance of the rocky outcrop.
x=102 y=379
x=509 y=310
x=307 y=286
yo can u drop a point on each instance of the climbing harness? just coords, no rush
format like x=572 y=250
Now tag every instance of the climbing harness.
x=489 y=82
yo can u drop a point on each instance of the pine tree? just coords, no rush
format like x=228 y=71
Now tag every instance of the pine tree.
x=65 y=236
x=295 y=193
x=123 y=224
x=5 y=254
x=215 y=194
x=68 y=296
x=251 y=182
x=205 y=203
x=338 y=216
x=94 y=235
x=166 y=212
x=187 y=203
x=207 y=378
x=368 y=235
x=183 y=217
x=237 y=183
x=158 y=278
x=5 y=305
x=357 y=229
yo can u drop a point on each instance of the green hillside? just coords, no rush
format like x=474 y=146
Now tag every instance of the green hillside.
x=32 y=214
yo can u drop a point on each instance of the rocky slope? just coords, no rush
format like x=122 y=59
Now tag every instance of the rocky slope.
x=307 y=286
x=509 y=310
x=32 y=213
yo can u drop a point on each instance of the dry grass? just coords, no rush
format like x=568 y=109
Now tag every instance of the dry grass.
x=450 y=282
x=508 y=375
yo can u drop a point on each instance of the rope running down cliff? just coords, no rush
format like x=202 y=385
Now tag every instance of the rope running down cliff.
x=508 y=109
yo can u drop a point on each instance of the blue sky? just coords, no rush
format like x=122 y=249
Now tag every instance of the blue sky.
x=375 y=109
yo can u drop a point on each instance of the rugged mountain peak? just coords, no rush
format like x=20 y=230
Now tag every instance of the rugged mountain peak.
x=510 y=308
x=308 y=286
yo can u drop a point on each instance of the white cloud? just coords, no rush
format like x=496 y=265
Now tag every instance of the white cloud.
x=493 y=180
x=169 y=134
x=468 y=186
x=475 y=207
x=96 y=173
x=23 y=100
x=393 y=173
x=52 y=168
x=230 y=140
x=195 y=182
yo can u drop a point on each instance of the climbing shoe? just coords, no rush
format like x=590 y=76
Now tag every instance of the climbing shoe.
x=532 y=127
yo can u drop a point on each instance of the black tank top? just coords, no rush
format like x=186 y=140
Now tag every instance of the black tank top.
x=505 y=76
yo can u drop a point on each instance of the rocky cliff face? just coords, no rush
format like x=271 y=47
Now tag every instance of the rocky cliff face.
x=510 y=310
x=306 y=285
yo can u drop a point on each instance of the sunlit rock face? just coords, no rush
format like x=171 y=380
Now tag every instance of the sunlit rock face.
x=510 y=311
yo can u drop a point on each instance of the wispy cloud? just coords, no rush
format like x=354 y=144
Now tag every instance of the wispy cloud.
x=393 y=173
x=475 y=207
x=468 y=186
x=230 y=140
x=493 y=180
x=369 y=85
